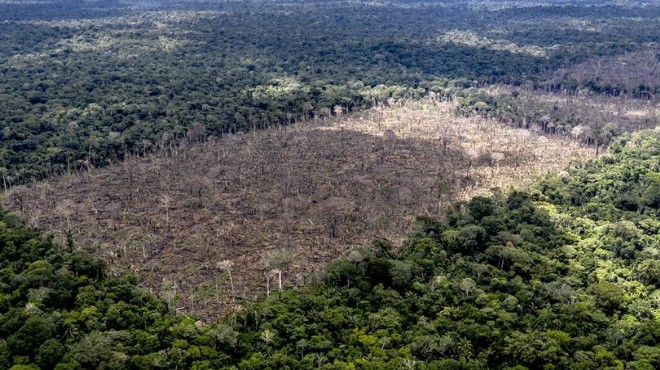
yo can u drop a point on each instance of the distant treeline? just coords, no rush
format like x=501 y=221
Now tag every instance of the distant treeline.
x=84 y=91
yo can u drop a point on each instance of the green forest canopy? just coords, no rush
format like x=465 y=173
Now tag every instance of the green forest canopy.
x=84 y=84
x=567 y=275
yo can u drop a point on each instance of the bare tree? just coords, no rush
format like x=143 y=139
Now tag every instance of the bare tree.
x=166 y=200
x=65 y=208
x=280 y=260
x=226 y=266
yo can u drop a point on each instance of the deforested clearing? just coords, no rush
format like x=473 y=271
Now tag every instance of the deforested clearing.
x=207 y=223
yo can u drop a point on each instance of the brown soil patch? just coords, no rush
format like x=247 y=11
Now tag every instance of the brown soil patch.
x=206 y=223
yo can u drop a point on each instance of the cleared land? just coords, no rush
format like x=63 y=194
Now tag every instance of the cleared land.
x=206 y=223
x=581 y=116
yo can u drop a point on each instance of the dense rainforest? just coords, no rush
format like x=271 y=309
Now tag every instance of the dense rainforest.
x=565 y=275
x=84 y=84
x=235 y=134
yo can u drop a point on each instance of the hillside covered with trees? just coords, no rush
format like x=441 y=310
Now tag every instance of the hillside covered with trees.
x=565 y=275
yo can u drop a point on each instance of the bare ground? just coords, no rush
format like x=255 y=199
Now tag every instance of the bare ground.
x=207 y=223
